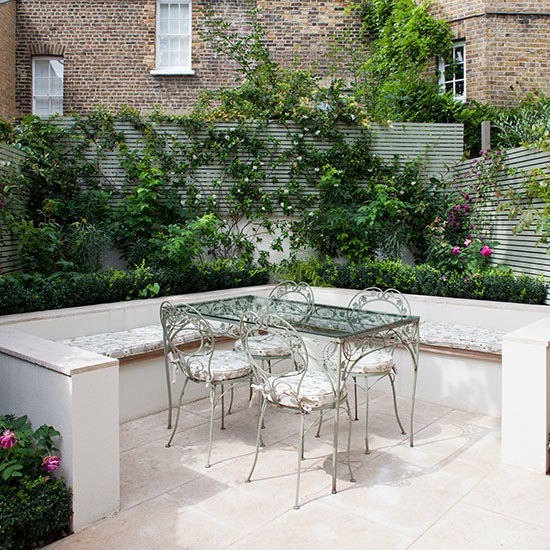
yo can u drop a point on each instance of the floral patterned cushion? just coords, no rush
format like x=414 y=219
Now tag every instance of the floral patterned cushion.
x=224 y=365
x=315 y=391
x=269 y=345
x=126 y=343
x=375 y=362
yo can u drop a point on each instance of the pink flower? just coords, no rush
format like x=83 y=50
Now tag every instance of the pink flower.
x=486 y=251
x=455 y=250
x=7 y=439
x=467 y=242
x=443 y=278
x=51 y=463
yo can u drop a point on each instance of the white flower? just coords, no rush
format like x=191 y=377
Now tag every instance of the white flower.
x=285 y=191
x=254 y=167
x=311 y=214
x=282 y=204
x=299 y=158
x=246 y=180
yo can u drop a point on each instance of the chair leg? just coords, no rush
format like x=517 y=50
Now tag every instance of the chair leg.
x=392 y=379
x=300 y=458
x=223 y=408
x=258 y=440
x=231 y=400
x=169 y=388
x=318 y=434
x=178 y=414
x=348 y=410
x=211 y=431
x=355 y=397
x=367 y=451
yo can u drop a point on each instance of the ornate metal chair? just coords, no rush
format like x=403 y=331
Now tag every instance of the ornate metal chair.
x=375 y=360
x=294 y=388
x=293 y=302
x=198 y=360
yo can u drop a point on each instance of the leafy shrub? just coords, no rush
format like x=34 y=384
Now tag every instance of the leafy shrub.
x=34 y=513
x=500 y=285
x=22 y=293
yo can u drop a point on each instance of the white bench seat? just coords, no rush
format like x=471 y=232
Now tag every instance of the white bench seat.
x=460 y=337
x=433 y=334
x=138 y=341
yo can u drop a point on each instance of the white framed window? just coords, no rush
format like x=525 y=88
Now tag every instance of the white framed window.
x=47 y=86
x=452 y=75
x=173 y=50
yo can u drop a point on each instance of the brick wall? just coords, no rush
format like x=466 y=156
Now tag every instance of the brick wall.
x=506 y=53
x=7 y=59
x=109 y=48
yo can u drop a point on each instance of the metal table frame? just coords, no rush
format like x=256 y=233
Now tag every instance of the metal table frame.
x=348 y=330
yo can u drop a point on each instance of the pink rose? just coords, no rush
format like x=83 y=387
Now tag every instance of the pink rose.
x=486 y=251
x=7 y=439
x=455 y=250
x=443 y=278
x=467 y=242
x=51 y=463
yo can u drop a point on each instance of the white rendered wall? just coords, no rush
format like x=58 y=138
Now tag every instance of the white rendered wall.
x=526 y=397
x=82 y=404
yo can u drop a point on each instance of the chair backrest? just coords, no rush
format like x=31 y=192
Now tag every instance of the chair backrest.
x=275 y=379
x=383 y=301
x=295 y=300
x=183 y=324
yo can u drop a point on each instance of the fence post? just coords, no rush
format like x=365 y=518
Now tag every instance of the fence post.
x=485 y=135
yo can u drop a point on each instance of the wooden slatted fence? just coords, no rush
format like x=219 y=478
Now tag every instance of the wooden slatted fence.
x=518 y=251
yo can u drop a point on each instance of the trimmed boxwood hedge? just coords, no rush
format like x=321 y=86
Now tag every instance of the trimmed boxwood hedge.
x=500 y=285
x=19 y=294
x=34 y=513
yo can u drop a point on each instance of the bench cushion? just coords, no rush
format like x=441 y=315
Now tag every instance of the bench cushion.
x=461 y=337
x=127 y=343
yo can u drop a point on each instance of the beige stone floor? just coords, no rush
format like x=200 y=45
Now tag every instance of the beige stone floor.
x=449 y=491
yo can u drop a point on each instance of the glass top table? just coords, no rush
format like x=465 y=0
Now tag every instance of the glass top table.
x=347 y=328
x=334 y=322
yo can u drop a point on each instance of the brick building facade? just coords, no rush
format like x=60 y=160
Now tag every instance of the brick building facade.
x=507 y=45
x=7 y=58
x=108 y=48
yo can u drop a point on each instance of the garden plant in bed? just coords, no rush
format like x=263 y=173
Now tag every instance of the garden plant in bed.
x=35 y=506
x=178 y=233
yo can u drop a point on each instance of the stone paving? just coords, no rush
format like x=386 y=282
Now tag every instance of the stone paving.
x=449 y=491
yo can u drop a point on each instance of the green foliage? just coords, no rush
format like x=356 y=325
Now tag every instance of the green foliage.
x=527 y=123
x=21 y=293
x=494 y=284
x=31 y=446
x=34 y=513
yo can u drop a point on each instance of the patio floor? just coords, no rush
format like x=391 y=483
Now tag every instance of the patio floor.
x=449 y=491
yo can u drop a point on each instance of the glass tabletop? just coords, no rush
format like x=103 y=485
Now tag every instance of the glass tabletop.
x=320 y=320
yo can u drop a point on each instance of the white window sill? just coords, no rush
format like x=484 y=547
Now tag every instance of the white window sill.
x=172 y=71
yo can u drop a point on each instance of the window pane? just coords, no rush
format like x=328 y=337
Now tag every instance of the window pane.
x=56 y=87
x=56 y=68
x=57 y=106
x=174 y=26
x=42 y=67
x=459 y=72
x=41 y=86
x=449 y=87
x=164 y=59
x=163 y=11
x=42 y=107
x=164 y=26
x=174 y=11
x=459 y=87
x=459 y=54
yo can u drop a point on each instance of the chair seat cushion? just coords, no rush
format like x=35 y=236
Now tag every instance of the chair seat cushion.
x=268 y=345
x=376 y=362
x=315 y=391
x=225 y=365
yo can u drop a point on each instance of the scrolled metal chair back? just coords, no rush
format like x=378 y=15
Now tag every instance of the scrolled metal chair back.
x=183 y=324
x=372 y=298
x=276 y=379
x=293 y=301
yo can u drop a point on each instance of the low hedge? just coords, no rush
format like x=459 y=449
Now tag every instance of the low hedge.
x=22 y=293
x=495 y=284
x=34 y=513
